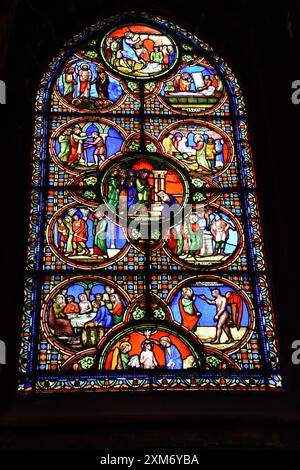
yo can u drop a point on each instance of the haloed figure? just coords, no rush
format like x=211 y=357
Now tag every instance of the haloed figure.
x=85 y=77
x=188 y=310
x=173 y=356
x=121 y=358
x=68 y=82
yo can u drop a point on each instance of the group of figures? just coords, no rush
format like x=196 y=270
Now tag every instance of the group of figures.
x=152 y=259
x=81 y=319
x=80 y=314
x=193 y=83
x=87 y=237
x=145 y=349
x=208 y=235
x=142 y=185
x=202 y=150
x=84 y=234
x=227 y=312
x=84 y=145
x=73 y=146
x=139 y=51
x=87 y=85
x=199 y=151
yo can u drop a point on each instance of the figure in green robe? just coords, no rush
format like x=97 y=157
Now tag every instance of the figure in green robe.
x=120 y=357
x=114 y=47
x=157 y=56
x=99 y=230
x=195 y=235
x=143 y=188
x=65 y=145
x=68 y=82
x=179 y=240
x=124 y=357
x=69 y=224
x=201 y=158
x=113 y=191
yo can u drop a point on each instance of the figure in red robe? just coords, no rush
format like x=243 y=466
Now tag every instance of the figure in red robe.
x=172 y=244
x=72 y=306
x=188 y=310
x=236 y=303
x=85 y=77
x=80 y=236
x=117 y=310
x=76 y=140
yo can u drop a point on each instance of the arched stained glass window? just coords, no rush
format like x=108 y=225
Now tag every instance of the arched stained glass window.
x=145 y=267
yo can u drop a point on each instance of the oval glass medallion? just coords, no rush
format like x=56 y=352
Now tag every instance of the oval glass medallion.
x=139 y=51
x=146 y=188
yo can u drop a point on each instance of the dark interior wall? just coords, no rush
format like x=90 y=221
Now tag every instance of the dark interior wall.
x=260 y=41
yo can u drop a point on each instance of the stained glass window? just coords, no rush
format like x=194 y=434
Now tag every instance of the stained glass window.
x=145 y=267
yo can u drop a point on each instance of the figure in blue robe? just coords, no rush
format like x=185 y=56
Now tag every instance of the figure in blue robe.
x=191 y=142
x=205 y=138
x=172 y=356
x=219 y=154
x=167 y=201
x=104 y=317
x=132 y=193
x=171 y=56
x=128 y=51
